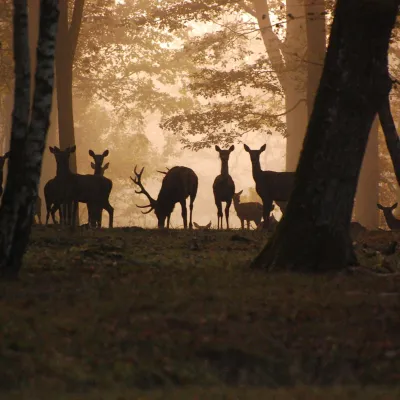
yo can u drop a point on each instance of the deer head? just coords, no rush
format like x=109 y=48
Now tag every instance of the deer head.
x=255 y=154
x=202 y=227
x=236 y=197
x=99 y=170
x=224 y=154
x=138 y=181
x=62 y=156
x=98 y=161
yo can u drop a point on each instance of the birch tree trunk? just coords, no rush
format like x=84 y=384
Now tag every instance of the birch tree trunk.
x=313 y=235
x=27 y=137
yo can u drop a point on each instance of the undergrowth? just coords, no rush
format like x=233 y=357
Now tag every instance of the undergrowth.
x=144 y=314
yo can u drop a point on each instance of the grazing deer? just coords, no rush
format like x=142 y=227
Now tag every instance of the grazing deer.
x=223 y=187
x=93 y=190
x=95 y=215
x=2 y=162
x=392 y=222
x=178 y=184
x=270 y=185
x=202 y=227
x=251 y=211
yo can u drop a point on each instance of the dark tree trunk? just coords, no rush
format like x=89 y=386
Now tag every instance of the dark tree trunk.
x=27 y=140
x=67 y=40
x=313 y=235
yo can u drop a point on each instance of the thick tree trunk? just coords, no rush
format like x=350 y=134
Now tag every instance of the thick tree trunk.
x=366 y=212
x=27 y=140
x=313 y=235
x=316 y=47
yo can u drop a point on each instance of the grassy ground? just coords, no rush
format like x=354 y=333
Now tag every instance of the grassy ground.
x=133 y=314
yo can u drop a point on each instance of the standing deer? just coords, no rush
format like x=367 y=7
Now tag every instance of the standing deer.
x=223 y=187
x=270 y=185
x=251 y=211
x=178 y=184
x=93 y=190
x=392 y=222
x=95 y=215
x=202 y=227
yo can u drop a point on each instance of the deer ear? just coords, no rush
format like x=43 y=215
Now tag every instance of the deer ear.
x=379 y=206
x=7 y=155
x=92 y=165
x=208 y=225
x=394 y=206
x=105 y=153
x=239 y=193
x=91 y=153
x=217 y=148
x=232 y=148
x=247 y=148
x=106 y=166
x=196 y=226
x=56 y=149
x=263 y=147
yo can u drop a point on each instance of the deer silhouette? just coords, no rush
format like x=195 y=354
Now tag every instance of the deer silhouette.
x=2 y=162
x=93 y=190
x=270 y=185
x=223 y=187
x=95 y=215
x=202 y=227
x=251 y=211
x=392 y=222
x=178 y=184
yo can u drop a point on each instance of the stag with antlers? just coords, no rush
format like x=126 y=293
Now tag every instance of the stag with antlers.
x=178 y=184
x=223 y=187
x=270 y=185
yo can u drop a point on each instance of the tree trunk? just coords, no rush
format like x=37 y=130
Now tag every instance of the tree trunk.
x=316 y=47
x=367 y=195
x=287 y=59
x=27 y=140
x=67 y=40
x=313 y=235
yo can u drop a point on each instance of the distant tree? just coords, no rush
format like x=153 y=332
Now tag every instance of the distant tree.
x=28 y=133
x=313 y=235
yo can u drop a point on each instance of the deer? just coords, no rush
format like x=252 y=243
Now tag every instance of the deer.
x=95 y=215
x=93 y=190
x=223 y=187
x=392 y=222
x=178 y=184
x=251 y=211
x=270 y=185
x=202 y=227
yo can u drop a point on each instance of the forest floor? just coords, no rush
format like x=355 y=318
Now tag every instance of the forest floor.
x=147 y=314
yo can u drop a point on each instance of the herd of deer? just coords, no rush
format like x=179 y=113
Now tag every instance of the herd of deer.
x=67 y=189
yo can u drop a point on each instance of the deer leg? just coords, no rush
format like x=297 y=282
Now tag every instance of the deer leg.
x=228 y=204
x=267 y=208
x=184 y=213
x=242 y=223
x=219 y=214
x=191 y=212
x=168 y=220
x=110 y=209
x=248 y=224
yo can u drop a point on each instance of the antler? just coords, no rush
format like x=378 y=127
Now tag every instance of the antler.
x=137 y=181
x=163 y=172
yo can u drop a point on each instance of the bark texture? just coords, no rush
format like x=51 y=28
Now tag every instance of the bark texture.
x=313 y=235
x=27 y=139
